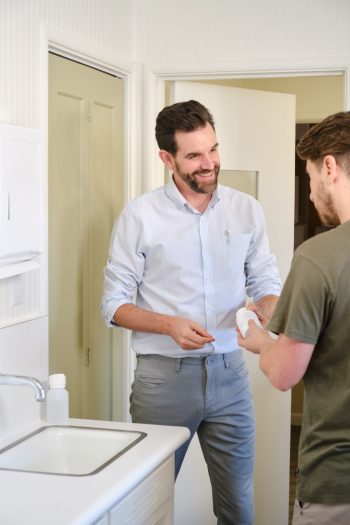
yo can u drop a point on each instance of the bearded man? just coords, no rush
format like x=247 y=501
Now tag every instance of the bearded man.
x=189 y=252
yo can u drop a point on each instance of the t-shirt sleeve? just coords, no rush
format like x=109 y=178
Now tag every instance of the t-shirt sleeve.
x=303 y=306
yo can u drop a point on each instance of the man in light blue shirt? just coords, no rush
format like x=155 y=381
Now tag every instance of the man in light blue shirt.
x=182 y=259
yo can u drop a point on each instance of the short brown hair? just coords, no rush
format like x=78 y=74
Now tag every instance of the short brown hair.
x=181 y=116
x=329 y=137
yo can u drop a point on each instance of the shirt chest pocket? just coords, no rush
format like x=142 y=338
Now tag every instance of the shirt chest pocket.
x=236 y=248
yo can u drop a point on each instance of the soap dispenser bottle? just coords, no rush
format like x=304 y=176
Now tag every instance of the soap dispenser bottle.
x=57 y=400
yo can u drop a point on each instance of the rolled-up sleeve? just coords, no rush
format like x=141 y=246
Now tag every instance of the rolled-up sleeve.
x=125 y=265
x=262 y=275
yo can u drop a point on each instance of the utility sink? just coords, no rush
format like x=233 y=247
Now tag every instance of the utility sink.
x=68 y=450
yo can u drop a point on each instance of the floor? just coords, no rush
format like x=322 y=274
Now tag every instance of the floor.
x=294 y=442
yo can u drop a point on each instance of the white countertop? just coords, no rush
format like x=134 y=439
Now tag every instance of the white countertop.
x=48 y=499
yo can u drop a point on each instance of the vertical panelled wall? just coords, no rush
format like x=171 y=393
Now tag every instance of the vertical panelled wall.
x=197 y=31
x=104 y=24
x=107 y=24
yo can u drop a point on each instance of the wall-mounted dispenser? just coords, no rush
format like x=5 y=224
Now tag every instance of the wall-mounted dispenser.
x=21 y=205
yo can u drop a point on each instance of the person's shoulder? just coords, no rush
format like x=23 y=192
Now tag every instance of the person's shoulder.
x=326 y=254
x=236 y=195
x=144 y=199
x=245 y=204
x=325 y=248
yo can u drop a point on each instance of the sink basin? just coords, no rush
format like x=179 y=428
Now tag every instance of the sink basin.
x=68 y=450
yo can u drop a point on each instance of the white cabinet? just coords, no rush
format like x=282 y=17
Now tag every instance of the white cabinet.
x=151 y=502
x=20 y=197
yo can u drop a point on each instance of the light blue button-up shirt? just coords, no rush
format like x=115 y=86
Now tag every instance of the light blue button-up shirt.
x=177 y=261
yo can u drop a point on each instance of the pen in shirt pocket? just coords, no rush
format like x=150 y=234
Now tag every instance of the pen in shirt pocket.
x=227 y=234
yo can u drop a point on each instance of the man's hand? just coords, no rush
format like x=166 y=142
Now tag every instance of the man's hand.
x=264 y=308
x=283 y=360
x=188 y=334
x=254 y=308
x=255 y=339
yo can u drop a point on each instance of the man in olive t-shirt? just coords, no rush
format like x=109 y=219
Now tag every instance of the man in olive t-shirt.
x=312 y=319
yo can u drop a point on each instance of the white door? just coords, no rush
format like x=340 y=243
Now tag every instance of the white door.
x=85 y=196
x=256 y=132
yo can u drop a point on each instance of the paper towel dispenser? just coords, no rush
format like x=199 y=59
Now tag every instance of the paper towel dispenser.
x=21 y=206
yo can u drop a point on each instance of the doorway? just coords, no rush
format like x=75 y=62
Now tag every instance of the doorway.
x=316 y=97
x=85 y=196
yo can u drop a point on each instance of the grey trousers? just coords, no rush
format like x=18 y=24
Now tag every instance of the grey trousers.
x=211 y=396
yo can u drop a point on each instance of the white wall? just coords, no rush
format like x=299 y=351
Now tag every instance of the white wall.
x=202 y=30
x=106 y=25
x=23 y=351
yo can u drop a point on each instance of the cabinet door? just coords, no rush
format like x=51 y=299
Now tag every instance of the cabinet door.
x=151 y=502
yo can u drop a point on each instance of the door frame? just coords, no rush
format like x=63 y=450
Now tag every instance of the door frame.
x=155 y=75
x=83 y=52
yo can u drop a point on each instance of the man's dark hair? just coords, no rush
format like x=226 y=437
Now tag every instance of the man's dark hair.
x=182 y=116
x=329 y=137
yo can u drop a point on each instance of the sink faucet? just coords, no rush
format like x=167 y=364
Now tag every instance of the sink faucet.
x=9 y=379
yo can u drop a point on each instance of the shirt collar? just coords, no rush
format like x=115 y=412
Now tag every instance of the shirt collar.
x=179 y=200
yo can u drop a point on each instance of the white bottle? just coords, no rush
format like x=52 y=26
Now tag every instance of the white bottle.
x=57 y=400
x=242 y=317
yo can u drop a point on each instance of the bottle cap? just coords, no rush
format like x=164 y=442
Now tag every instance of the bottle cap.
x=57 y=381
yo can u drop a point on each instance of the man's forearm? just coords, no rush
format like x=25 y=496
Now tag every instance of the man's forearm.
x=135 y=318
x=266 y=305
x=188 y=334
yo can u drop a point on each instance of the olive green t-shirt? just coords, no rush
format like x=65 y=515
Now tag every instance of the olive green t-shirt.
x=314 y=307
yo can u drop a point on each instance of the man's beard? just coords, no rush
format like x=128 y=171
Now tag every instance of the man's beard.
x=325 y=209
x=199 y=185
